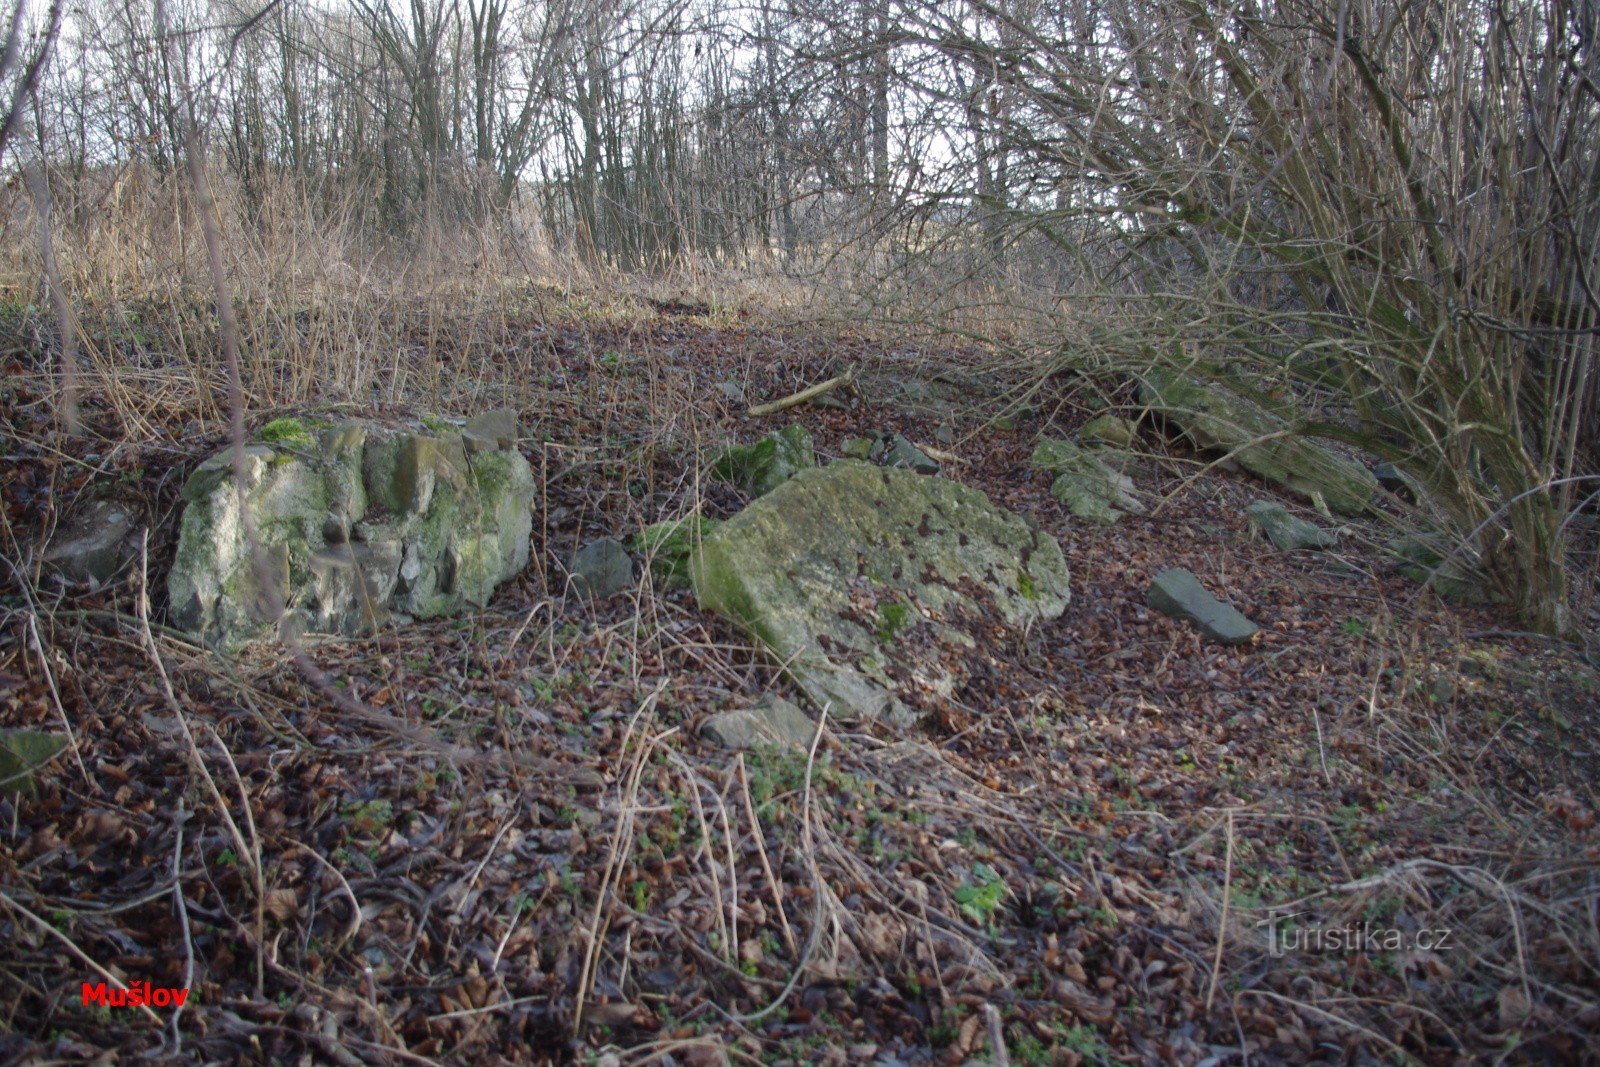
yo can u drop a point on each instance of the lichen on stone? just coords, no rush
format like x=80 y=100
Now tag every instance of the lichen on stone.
x=836 y=559
x=667 y=545
x=355 y=510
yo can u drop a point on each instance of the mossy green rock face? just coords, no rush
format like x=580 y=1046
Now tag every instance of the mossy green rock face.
x=667 y=545
x=353 y=523
x=1110 y=430
x=1213 y=417
x=1090 y=488
x=762 y=467
x=834 y=569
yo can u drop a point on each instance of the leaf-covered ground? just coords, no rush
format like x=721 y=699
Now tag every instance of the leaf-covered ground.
x=500 y=838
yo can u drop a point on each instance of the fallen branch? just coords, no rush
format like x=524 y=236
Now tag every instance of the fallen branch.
x=811 y=392
x=938 y=455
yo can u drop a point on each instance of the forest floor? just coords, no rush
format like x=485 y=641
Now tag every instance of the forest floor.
x=1367 y=836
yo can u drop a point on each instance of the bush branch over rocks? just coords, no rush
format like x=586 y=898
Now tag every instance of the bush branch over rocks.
x=1384 y=213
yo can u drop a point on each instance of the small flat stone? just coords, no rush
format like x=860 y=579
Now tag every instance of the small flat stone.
x=601 y=568
x=94 y=546
x=895 y=451
x=1285 y=530
x=857 y=448
x=1178 y=593
x=1111 y=430
x=491 y=431
x=772 y=719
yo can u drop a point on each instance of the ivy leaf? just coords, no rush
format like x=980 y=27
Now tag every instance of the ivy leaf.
x=21 y=752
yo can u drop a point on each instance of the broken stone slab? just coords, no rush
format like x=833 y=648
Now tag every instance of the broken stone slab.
x=94 y=544
x=761 y=467
x=666 y=547
x=491 y=431
x=355 y=522
x=1090 y=488
x=771 y=720
x=832 y=570
x=1288 y=532
x=858 y=447
x=1213 y=417
x=894 y=450
x=1179 y=594
x=1111 y=431
x=601 y=568
x=21 y=753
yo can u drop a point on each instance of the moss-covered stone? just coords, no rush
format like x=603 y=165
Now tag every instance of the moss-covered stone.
x=807 y=569
x=1109 y=430
x=1263 y=442
x=761 y=467
x=288 y=432
x=1447 y=573
x=667 y=546
x=1287 y=531
x=364 y=522
x=857 y=447
x=894 y=450
x=1090 y=488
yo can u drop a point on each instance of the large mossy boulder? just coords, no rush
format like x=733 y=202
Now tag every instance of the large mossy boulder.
x=859 y=581
x=761 y=467
x=1090 y=488
x=353 y=522
x=1265 y=444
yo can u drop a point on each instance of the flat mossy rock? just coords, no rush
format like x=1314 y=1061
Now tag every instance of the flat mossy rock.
x=600 y=569
x=1263 y=443
x=1090 y=488
x=832 y=571
x=767 y=464
x=354 y=522
x=1112 y=431
x=1286 y=531
x=894 y=450
x=771 y=721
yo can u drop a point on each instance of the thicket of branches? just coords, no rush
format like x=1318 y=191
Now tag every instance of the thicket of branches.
x=1386 y=211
